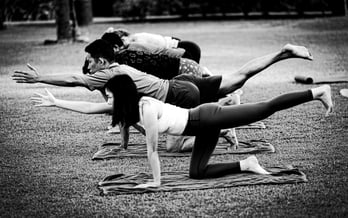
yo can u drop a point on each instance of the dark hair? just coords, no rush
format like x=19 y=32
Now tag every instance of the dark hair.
x=113 y=38
x=126 y=100
x=101 y=48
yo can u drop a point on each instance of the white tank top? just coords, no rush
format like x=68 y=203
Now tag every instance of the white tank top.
x=173 y=119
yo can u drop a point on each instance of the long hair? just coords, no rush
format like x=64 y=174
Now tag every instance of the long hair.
x=126 y=100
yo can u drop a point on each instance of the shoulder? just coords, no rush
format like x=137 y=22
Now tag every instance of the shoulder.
x=148 y=102
x=150 y=107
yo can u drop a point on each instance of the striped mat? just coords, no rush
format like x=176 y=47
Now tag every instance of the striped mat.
x=120 y=184
x=113 y=150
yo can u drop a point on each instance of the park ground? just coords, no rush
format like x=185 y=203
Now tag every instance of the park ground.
x=45 y=157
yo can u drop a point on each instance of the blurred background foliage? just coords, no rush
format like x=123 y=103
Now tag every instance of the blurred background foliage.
x=19 y=10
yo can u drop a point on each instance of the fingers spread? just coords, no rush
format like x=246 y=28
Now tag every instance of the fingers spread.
x=39 y=94
x=31 y=67
x=19 y=73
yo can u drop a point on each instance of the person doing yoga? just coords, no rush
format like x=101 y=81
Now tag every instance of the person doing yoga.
x=156 y=44
x=204 y=121
x=185 y=91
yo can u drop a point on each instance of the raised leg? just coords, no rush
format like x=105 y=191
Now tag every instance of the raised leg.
x=235 y=80
x=214 y=116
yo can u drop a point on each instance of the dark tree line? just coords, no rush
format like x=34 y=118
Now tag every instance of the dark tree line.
x=184 y=8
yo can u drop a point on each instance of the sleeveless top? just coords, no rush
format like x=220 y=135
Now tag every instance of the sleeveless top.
x=173 y=119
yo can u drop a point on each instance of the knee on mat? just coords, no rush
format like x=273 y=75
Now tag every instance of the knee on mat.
x=196 y=175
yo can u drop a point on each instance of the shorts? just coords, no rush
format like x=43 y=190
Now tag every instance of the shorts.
x=183 y=94
x=208 y=86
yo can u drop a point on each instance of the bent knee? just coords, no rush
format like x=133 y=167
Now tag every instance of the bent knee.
x=196 y=174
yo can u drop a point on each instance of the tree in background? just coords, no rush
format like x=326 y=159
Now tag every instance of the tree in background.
x=2 y=14
x=68 y=20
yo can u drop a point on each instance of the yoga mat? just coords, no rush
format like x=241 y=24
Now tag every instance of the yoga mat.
x=113 y=150
x=344 y=92
x=256 y=125
x=120 y=184
x=320 y=80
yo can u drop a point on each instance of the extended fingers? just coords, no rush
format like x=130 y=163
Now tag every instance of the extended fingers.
x=20 y=77
x=31 y=67
x=39 y=94
x=19 y=74
x=38 y=101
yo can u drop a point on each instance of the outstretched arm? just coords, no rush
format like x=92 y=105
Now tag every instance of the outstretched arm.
x=139 y=128
x=150 y=115
x=124 y=131
x=49 y=100
x=33 y=76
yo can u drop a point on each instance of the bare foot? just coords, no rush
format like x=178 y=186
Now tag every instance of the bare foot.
x=232 y=98
x=251 y=164
x=297 y=51
x=323 y=94
x=231 y=137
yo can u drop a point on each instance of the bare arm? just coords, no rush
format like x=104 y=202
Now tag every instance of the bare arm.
x=124 y=131
x=150 y=114
x=77 y=106
x=33 y=76
x=139 y=128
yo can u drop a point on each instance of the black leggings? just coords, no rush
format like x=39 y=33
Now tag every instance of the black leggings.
x=206 y=121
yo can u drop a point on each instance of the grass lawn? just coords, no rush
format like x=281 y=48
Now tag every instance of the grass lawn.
x=45 y=158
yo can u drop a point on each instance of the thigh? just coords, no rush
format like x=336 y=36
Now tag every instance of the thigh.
x=208 y=86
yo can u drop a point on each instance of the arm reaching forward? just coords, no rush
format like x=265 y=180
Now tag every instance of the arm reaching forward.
x=150 y=114
x=49 y=100
x=33 y=76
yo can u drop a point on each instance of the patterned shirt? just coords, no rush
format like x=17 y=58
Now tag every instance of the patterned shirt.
x=162 y=66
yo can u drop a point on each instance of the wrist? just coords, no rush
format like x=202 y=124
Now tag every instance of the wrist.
x=38 y=79
x=56 y=102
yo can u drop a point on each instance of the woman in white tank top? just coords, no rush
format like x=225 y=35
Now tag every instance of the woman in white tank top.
x=204 y=122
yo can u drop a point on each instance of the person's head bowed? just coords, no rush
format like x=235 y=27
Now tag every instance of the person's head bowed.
x=117 y=37
x=100 y=54
x=123 y=95
x=113 y=39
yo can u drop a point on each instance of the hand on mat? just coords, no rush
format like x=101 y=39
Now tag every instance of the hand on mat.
x=26 y=77
x=43 y=100
x=149 y=185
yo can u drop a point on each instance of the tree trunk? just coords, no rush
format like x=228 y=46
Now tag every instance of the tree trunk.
x=83 y=12
x=63 y=20
x=2 y=14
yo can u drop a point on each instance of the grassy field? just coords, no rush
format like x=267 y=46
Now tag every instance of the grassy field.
x=45 y=158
